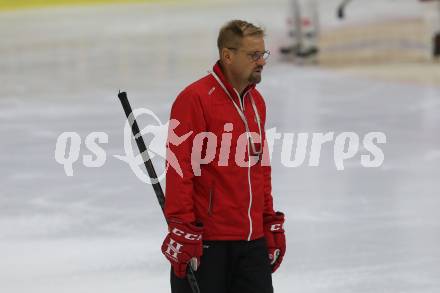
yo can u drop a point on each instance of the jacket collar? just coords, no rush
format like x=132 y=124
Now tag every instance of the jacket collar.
x=217 y=69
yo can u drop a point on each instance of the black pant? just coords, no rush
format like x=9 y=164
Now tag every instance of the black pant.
x=230 y=267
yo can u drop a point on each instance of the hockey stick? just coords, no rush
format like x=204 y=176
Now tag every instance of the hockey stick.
x=151 y=172
x=341 y=9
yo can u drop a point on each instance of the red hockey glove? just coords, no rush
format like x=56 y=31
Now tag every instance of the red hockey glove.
x=275 y=239
x=182 y=245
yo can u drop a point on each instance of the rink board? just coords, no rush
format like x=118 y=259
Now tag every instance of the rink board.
x=26 y=4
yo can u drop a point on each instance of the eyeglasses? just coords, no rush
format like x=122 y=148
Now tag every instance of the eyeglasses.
x=255 y=56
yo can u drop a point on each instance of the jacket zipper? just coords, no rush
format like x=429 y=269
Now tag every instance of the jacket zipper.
x=249 y=152
x=249 y=170
x=250 y=193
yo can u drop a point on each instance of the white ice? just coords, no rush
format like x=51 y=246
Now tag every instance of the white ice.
x=361 y=230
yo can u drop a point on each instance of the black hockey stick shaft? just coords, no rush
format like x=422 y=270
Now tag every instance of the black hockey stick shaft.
x=341 y=8
x=151 y=172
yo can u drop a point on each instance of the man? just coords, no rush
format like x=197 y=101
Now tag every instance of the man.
x=219 y=204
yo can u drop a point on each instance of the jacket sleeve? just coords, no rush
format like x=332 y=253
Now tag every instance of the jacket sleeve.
x=267 y=182
x=187 y=113
x=267 y=170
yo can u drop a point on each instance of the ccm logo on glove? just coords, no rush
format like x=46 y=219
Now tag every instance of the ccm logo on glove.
x=187 y=236
x=276 y=227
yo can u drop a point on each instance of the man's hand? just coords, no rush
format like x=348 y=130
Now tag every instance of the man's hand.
x=275 y=239
x=182 y=245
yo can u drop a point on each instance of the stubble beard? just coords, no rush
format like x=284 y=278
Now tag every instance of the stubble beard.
x=255 y=77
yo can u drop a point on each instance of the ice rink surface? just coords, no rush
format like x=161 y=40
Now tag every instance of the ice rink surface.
x=360 y=230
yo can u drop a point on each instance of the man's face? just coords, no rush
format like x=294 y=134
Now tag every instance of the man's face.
x=243 y=65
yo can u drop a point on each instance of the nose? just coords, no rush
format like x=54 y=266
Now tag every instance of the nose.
x=261 y=61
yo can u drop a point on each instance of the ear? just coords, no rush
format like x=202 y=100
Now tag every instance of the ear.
x=226 y=56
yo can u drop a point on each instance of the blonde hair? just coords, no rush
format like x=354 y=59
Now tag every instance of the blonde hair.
x=234 y=31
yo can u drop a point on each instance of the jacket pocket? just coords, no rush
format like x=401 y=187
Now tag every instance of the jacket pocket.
x=211 y=199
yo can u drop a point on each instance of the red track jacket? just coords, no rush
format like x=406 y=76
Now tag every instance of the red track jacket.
x=228 y=198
